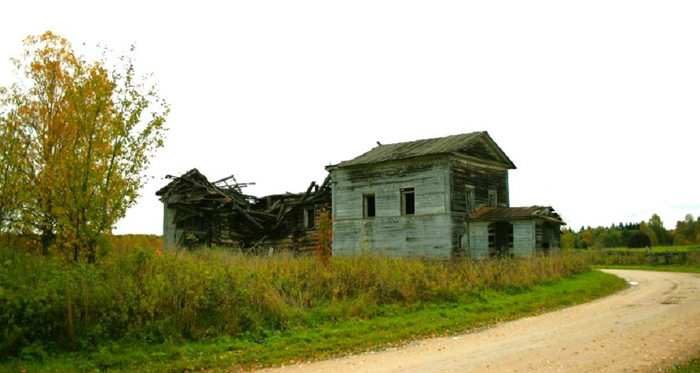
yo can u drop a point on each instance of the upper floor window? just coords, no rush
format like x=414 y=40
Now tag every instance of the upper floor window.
x=493 y=197
x=470 y=196
x=408 y=201
x=368 y=205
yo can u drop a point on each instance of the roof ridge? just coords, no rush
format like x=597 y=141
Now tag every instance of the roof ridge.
x=433 y=138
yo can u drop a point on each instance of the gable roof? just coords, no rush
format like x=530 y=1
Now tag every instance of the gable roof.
x=516 y=213
x=475 y=144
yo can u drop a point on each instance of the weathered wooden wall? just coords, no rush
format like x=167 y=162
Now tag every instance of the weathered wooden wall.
x=438 y=227
x=171 y=235
x=478 y=239
x=547 y=237
x=481 y=177
x=426 y=233
x=523 y=238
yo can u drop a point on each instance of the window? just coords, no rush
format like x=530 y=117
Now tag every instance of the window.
x=309 y=218
x=501 y=239
x=368 y=206
x=471 y=198
x=408 y=201
x=493 y=197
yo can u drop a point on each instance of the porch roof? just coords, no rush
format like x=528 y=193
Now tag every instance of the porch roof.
x=516 y=213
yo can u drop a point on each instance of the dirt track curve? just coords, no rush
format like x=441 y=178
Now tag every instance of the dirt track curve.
x=645 y=328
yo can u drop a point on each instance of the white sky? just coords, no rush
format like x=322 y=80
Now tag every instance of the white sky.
x=596 y=102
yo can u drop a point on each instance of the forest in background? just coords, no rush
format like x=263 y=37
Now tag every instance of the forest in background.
x=686 y=232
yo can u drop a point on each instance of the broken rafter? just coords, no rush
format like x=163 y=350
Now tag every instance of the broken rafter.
x=233 y=217
x=224 y=180
x=308 y=191
x=248 y=217
x=321 y=190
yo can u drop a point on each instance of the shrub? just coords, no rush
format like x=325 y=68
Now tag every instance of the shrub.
x=155 y=296
x=639 y=240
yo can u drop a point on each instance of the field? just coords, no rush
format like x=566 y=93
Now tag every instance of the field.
x=684 y=258
x=657 y=249
x=147 y=309
x=179 y=307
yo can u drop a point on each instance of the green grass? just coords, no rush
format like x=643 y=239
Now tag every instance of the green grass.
x=657 y=249
x=323 y=335
x=683 y=256
x=659 y=268
x=692 y=366
x=49 y=306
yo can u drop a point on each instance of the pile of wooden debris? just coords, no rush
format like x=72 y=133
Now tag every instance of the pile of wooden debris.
x=199 y=212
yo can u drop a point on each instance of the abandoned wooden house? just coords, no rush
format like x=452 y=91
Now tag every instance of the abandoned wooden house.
x=437 y=197
x=197 y=212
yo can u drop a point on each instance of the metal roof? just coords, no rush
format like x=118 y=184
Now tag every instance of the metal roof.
x=442 y=145
x=516 y=213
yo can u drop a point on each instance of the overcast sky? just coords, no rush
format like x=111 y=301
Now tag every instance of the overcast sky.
x=596 y=102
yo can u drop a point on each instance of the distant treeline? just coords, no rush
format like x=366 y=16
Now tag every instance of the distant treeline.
x=686 y=232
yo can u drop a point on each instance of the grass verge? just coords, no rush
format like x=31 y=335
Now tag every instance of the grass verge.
x=692 y=366
x=323 y=336
x=656 y=249
x=658 y=268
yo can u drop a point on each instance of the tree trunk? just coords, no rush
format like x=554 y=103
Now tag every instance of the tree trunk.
x=47 y=239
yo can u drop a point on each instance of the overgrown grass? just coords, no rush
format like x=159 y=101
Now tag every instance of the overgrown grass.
x=152 y=297
x=322 y=336
x=692 y=366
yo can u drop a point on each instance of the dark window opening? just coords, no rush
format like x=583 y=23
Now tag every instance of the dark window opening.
x=408 y=201
x=368 y=206
x=471 y=199
x=501 y=241
x=309 y=218
x=493 y=197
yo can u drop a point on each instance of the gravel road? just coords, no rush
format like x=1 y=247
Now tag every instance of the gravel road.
x=648 y=327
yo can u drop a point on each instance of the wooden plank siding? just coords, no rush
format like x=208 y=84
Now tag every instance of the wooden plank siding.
x=171 y=235
x=426 y=233
x=548 y=237
x=440 y=203
x=418 y=235
x=478 y=240
x=447 y=222
x=523 y=238
x=482 y=178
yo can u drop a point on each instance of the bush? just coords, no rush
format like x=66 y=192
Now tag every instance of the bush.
x=639 y=240
x=155 y=296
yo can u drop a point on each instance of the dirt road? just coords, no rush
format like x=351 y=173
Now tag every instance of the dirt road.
x=646 y=328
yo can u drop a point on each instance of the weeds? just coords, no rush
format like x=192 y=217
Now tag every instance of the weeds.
x=176 y=296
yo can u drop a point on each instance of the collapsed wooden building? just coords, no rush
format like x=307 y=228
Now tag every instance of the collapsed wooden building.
x=440 y=197
x=197 y=212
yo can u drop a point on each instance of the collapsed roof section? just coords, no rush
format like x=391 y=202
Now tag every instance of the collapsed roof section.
x=220 y=213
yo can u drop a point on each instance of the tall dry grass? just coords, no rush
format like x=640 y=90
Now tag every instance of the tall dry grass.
x=151 y=296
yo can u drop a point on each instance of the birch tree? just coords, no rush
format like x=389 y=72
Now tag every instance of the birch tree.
x=86 y=132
